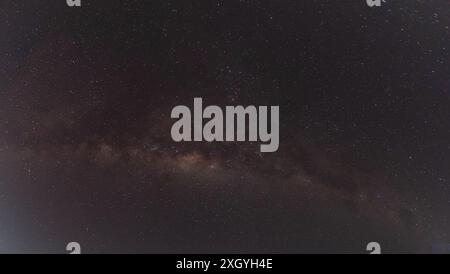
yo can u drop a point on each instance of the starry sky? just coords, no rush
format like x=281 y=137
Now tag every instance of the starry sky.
x=86 y=153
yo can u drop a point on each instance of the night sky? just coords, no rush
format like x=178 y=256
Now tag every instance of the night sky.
x=86 y=153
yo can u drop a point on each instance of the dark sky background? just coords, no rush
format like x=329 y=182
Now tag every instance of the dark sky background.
x=86 y=153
